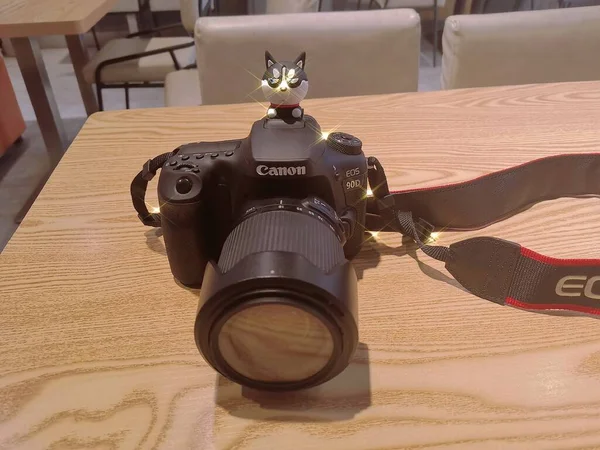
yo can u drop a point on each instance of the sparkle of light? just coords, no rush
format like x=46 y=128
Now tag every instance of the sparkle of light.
x=374 y=233
x=369 y=192
x=325 y=134
x=155 y=210
x=264 y=82
x=434 y=235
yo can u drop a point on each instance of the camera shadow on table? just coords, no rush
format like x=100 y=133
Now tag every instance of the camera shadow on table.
x=341 y=398
x=154 y=240
x=371 y=253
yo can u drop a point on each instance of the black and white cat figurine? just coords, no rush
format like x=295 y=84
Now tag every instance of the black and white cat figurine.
x=285 y=85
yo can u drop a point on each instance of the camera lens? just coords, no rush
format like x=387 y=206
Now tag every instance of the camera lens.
x=275 y=343
x=279 y=309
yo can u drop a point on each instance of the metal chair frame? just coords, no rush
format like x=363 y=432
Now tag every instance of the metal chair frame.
x=100 y=85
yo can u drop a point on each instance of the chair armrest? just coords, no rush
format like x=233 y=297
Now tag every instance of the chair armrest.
x=171 y=49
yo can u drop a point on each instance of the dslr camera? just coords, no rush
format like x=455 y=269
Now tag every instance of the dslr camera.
x=266 y=226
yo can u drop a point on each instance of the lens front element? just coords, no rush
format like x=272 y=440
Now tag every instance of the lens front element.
x=275 y=342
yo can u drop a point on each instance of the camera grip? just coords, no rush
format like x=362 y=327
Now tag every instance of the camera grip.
x=354 y=242
x=185 y=241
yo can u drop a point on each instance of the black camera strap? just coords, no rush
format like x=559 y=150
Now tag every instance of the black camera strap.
x=491 y=268
x=139 y=186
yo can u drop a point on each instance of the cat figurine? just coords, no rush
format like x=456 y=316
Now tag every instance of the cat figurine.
x=285 y=85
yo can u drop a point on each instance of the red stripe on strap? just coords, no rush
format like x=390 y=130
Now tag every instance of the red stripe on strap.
x=557 y=261
x=552 y=306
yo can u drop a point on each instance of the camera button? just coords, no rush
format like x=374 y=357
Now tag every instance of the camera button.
x=200 y=156
x=173 y=163
x=214 y=155
x=196 y=170
x=185 y=157
x=229 y=153
x=183 y=185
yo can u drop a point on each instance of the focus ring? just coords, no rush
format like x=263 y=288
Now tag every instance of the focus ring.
x=283 y=231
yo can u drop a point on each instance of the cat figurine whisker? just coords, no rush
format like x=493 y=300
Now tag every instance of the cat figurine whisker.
x=284 y=85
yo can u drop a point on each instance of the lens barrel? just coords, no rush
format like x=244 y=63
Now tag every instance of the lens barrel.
x=279 y=309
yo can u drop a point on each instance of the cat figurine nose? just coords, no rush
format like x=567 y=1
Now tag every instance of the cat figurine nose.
x=283 y=86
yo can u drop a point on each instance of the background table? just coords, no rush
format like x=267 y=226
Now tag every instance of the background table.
x=23 y=20
x=96 y=337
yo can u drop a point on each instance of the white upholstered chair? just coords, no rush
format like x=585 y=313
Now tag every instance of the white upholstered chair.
x=348 y=53
x=521 y=47
x=141 y=59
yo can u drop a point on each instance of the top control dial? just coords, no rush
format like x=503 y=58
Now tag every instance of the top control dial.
x=344 y=143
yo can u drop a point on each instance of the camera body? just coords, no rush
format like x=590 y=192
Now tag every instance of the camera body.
x=206 y=188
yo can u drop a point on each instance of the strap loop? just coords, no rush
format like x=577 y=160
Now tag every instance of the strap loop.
x=139 y=186
x=406 y=226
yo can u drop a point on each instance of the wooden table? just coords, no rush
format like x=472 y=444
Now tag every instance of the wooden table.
x=23 y=21
x=96 y=339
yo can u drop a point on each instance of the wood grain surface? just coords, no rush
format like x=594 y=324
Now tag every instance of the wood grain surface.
x=96 y=342
x=22 y=18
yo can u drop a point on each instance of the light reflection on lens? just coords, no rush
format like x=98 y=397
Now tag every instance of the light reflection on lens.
x=275 y=343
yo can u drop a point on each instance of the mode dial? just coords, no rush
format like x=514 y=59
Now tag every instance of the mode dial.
x=344 y=143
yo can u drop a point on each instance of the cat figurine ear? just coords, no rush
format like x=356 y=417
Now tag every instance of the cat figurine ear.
x=269 y=60
x=301 y=60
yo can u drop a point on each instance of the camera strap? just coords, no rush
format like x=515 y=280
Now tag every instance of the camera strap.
x=495 y=269
x=139 y=186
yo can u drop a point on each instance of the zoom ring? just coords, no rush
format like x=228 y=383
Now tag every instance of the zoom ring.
x=283 y=231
